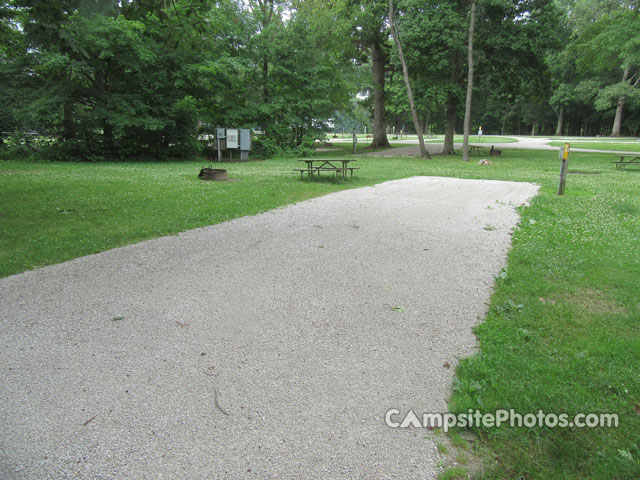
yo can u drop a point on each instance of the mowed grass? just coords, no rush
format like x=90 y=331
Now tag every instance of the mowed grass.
x=621 y=146
x=562 y=332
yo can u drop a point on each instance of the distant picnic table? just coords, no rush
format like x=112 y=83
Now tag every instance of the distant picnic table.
x=632 y=160
x=478 y=149
x=483 y=150
x=317 y=165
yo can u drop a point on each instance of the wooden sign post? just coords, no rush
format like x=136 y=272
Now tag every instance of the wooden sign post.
x=564 y=157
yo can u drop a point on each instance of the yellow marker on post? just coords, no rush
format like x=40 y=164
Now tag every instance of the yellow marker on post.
x=564 y=157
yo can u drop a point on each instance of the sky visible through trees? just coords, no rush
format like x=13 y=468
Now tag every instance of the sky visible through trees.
x=146 y=79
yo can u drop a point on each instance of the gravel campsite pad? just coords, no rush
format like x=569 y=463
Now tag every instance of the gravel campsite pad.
x=264 y=347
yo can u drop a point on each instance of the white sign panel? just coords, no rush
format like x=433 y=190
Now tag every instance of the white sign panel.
x=232 y=138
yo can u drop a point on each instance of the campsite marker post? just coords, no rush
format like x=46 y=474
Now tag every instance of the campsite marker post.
x=564 y=157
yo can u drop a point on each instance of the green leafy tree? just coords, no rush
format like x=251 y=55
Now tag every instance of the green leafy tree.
x=608 y=45
x=434 y=58
x=407 y=81
x=371 y=35
x=15 y=66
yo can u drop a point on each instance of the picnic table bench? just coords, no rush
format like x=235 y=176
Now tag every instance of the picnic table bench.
x=633 y=160
x=316 y=165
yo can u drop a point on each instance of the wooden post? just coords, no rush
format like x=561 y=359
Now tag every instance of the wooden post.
x=355 y=141
x=564 y=156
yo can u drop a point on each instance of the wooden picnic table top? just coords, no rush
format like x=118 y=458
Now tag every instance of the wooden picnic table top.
x=311 y=160
x=473 y=148
x=634 y=159
x=326 y=164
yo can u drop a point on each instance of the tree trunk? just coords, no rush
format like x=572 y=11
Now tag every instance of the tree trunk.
x=504 y=118
x=405 y=71
x=617 y=121
x=267 y=10
x=379 y=61
x=265 y=77
x=68 y=125
x=560 y=121
x=467 y=108
x=450 y=129
x=452 y=101
x=107 y=138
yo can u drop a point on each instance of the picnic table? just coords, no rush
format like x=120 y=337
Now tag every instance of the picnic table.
x=477 y=149
x=316 y=165
x=622 y=163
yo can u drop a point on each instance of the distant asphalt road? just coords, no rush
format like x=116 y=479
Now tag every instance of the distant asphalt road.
x=522 y=143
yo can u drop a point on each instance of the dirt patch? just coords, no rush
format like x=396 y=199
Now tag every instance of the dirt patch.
x=408 y=151
x=580 y=172
x=594 y=301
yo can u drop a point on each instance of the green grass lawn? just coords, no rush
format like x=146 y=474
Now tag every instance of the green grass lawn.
x=625 y=146
x=562 y=332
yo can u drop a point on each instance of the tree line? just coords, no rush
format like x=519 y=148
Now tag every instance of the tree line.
x=149 y=79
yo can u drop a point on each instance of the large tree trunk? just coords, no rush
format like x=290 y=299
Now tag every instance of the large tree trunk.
x=560 y=121
x=467 y=108
x=379 y=62
x=452 y=101
x=68 y=124
x=504 y=118
x=265 y=78
x=617 y=121
x=405 y=71
x=107 y=138
x=265 y=16
x=450 y=129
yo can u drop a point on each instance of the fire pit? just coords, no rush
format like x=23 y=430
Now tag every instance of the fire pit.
x=217 y=174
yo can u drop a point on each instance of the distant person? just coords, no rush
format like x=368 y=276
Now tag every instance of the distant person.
x=479 y=133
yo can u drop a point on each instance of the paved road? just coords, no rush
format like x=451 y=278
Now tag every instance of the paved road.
x=522 y=143
x=263 y=347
